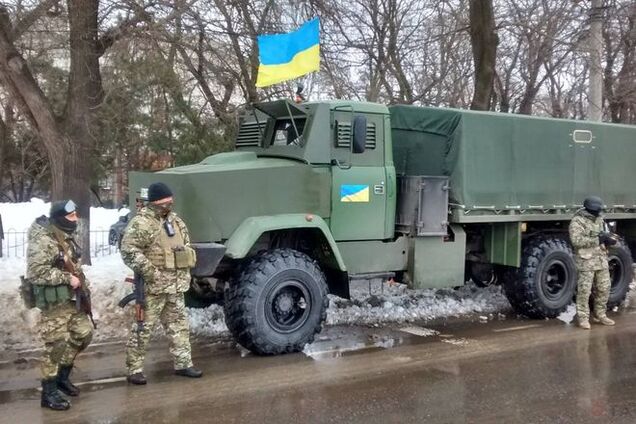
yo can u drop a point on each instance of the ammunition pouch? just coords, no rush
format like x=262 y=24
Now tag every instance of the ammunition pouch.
x=26 y=292
x=183 y=257
x=47 y=296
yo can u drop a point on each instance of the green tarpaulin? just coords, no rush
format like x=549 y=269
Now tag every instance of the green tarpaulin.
x=508 y=161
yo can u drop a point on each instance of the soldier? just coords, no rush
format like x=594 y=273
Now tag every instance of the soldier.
x=156 y=246
x=590 y=241
x=65 y=330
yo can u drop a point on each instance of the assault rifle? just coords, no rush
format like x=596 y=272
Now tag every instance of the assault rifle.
x=607 y=238
x=82 y=295
x=139 y=297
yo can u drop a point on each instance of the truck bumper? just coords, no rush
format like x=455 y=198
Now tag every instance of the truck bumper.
x=209 y=256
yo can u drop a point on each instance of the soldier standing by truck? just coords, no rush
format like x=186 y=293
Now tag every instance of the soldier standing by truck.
x=156 y=247
x=65 y=329
x=590 y=241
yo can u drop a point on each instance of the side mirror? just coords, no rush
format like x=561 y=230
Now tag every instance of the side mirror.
x=359 y=134
x=123 y=218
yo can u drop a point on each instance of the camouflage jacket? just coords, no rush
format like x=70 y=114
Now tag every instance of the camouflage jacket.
x=43 y=253
x=141 y=237
x=584 y=230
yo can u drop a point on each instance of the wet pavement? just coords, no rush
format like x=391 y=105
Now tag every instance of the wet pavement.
x=500 y=371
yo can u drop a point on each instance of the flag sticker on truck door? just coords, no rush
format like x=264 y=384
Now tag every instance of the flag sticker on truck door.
x=354 y=193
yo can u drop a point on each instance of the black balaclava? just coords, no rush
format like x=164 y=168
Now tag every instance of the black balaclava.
x=58 y=213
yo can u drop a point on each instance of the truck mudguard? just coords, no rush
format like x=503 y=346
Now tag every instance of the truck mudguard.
x=244 y=237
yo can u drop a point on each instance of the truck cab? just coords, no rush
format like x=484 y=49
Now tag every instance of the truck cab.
x=356 y=151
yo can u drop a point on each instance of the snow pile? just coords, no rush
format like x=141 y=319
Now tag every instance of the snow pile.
x=397 y=303
x=568 y=315
x=18 y=217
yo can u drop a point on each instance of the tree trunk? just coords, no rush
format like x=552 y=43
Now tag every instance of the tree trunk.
x=484 y=41
x=72 y=172
x=595 y=96
x=68 y=144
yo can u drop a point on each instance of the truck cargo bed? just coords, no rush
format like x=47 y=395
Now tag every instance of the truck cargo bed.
x=517 y=167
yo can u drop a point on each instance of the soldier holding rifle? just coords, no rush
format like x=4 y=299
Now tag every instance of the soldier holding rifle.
x=590 y=239
x=156 y=246
x=57 y=287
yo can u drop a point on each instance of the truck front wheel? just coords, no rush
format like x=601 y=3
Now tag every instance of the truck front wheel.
x=545 y=283
x=277 y=303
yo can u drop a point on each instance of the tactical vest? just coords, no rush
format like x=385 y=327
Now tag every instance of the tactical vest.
x=168 y=252
x=46 y=295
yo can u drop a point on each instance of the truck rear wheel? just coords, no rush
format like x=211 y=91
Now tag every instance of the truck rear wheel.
x=545 y=283
x=619 y=258
x=277 y=303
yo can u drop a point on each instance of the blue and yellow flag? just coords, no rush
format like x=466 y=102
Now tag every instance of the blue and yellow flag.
x=286 y=56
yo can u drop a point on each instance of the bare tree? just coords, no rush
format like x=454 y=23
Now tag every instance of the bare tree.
x=67 y=138
x=484 y=43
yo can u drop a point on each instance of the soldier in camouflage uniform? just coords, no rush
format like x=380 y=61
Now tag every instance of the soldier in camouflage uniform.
x=64 y=330
x=156 y=246
x=590 y=241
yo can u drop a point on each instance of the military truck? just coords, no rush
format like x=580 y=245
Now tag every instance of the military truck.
x=318 y=194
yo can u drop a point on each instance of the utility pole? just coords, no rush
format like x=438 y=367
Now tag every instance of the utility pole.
x=595 y=95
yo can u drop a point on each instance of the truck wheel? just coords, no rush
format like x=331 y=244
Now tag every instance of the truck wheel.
x=545 y=283
x=619 y=258
x=277 y=303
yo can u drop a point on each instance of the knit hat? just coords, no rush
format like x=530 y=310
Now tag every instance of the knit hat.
x=158 y=191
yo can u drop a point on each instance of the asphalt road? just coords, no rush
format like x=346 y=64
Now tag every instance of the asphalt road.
x=502 y=371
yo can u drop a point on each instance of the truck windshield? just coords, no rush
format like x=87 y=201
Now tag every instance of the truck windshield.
x=276 y=128
x=288 y=133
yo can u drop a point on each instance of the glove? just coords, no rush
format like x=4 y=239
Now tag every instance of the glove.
x=606 y=239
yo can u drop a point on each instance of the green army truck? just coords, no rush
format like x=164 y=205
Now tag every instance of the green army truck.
x=318 y=194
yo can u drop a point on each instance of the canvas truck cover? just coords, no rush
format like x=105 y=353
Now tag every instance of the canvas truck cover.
x=503 y=162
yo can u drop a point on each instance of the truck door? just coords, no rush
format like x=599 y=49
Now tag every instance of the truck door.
x=359 y=180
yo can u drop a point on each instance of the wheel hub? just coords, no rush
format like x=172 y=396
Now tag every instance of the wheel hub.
x=555 y=279
x=287 y=309
x=284 y=303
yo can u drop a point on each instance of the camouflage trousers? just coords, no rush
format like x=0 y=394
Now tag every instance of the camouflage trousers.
x=65 y=332
x=600 y=279
x=170 y=310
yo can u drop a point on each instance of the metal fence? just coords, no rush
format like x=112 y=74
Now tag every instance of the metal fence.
x=14 y=244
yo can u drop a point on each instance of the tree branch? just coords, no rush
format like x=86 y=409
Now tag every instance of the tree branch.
x=30 y=18
x=119 y=31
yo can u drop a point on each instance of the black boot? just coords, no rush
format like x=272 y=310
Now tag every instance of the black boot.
x=51 y=398
x=64 y=384
x=137 y=378
x=189 y=372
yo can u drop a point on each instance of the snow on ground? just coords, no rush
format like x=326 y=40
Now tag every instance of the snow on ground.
x=18 y=217
x=377 y=303
x=383 y=304
x=567 y=316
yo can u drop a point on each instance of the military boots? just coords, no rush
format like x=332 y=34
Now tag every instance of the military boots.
x=189 y=372
x=64 y=384
x=51 y=397
x=137 y=378
x=603 y=320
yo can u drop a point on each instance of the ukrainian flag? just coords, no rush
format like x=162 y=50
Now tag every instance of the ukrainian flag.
x=286 y=56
